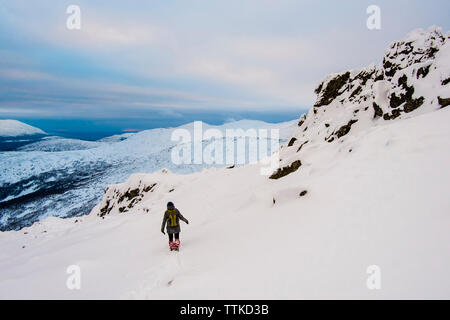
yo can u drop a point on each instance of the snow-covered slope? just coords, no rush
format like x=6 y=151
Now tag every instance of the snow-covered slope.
x=383 y=204
x=357 y=194
x=14 y=128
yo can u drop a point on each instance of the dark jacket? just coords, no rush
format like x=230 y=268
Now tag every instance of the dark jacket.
x=172 y=218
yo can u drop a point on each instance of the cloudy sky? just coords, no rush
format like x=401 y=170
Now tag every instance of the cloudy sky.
x=168 y=58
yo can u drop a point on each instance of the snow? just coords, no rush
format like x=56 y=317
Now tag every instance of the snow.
x=14 y=128
x=383 y=203
x=376 y=195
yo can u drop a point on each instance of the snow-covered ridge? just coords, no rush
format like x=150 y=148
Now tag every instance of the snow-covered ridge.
x=14 y=128
x=413 y=79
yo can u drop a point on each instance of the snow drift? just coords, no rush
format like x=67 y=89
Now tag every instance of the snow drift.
x=362 y=182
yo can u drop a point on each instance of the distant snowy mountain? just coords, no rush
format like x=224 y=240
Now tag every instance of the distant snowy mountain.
x=362 y=183
x=66 y=177
x=14 y=128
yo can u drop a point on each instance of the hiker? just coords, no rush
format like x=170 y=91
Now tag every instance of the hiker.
x=172 y=217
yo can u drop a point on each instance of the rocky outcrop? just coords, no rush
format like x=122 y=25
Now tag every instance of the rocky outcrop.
x=135 y=193
x=281 y=172
x=412 y=79
x=123 y=201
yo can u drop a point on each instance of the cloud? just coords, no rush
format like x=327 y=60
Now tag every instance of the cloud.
x=20 y=74
x=169 y=55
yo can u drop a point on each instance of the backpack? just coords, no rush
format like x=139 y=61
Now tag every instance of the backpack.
x=172 y=218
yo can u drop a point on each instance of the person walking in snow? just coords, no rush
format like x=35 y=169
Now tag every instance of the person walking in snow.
x=172 y=217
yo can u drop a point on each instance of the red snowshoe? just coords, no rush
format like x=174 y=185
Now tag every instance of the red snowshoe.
x=176 y=245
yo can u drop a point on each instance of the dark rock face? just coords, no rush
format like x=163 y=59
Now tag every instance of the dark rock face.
x=444 y=102
x=395 y=114
x=396 y=101
x=423 y=72
x=345 y=129
x=342 y=131
x=291 y=142
x=302 y=120
x=129 y=195
x=356 y=92
x=406 y=98
x=413 y=104
x=364 y=76
x=378 y=111
x=106 y=209
x=389 y=68
x=301 y=146
x=332 y=89
x=282 y=172
x=149 y=188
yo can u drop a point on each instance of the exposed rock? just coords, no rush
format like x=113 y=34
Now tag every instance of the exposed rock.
x=106 y=208
x=130 y=194
x=423 y=71
x=302 y=120
x=345 y=129
x=405 y=98
x=413 y=104
x=356 y=92
x=444 y=102
x=282 y=172
x=149 y=188
x=331 y=91
x=378 y=110
x=303 y=193
x=395 y=114
x=364 y=76
x=291 y=142
x=300 y=148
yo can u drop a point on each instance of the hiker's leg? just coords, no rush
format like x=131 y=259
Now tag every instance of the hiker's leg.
x=170 y=237
x=177 y=240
